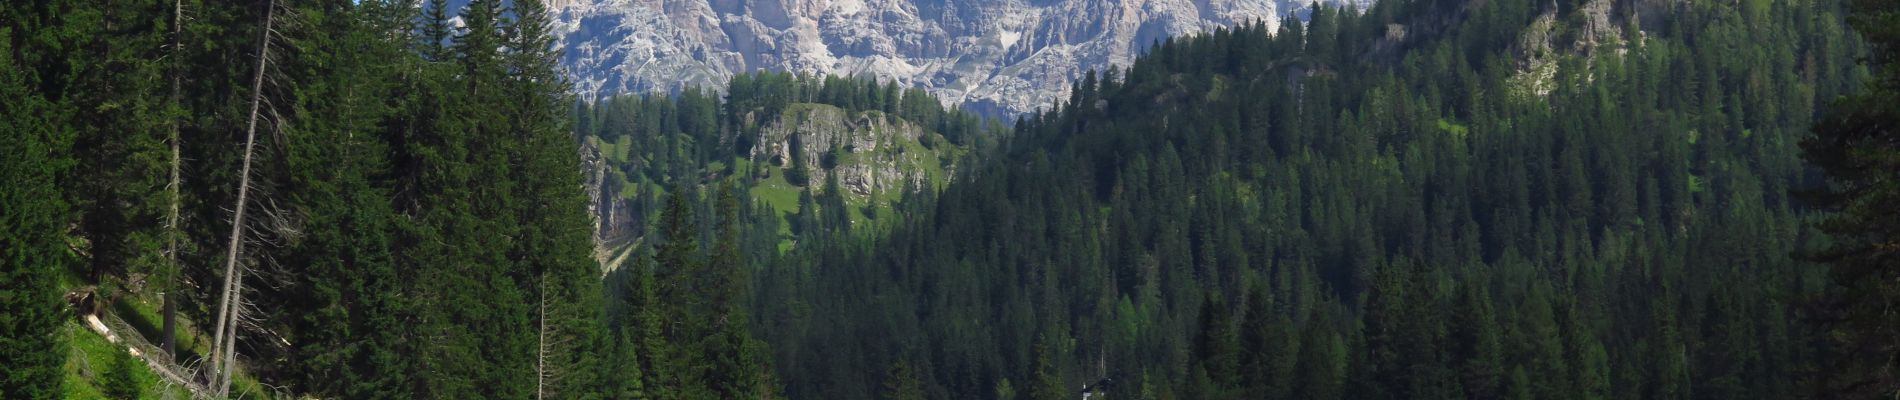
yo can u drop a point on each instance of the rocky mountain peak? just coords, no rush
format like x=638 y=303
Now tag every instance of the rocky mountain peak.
x=997 y=56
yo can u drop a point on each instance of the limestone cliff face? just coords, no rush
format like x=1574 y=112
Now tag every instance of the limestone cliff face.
x=1007 y=56
x=1594 y=28
x=614 y=217
x=871 y=153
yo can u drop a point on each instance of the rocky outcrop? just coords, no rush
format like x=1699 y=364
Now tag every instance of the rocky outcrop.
x=874 y=156
x=614 y=217
x=1590 y=28
x=1009 y=56
x=870 y=152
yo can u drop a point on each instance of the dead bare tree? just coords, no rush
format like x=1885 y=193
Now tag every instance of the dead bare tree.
x=551 y=362
x=224 y=347
x=168 y=341
x=541 y=371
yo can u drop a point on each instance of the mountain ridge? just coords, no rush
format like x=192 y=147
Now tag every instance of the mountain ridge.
x=997 y=57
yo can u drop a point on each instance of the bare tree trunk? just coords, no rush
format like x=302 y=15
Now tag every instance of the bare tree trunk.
x=168 y=336
x=226 y=338
x=230 y=343
x=541 y=353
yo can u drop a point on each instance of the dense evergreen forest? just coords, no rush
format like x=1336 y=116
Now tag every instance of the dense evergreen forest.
x=1426 y=199
x=385 y=199
x=342 y=199
x=1857 y=147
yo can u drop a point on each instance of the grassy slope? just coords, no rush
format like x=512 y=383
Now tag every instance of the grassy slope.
x=91 y=355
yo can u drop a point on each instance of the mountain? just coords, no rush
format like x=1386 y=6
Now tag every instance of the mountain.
x=1427 y=200
x=995 y=56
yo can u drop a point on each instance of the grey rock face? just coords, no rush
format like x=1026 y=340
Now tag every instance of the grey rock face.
x=1008 y=56
x=879 y=155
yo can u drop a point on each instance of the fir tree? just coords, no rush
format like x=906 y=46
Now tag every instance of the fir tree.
x=1045 y=379
x=1856 y=146
x=33 y=225
x=900 y=383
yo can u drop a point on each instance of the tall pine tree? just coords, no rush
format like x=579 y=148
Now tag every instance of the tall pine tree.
x=1858 y=147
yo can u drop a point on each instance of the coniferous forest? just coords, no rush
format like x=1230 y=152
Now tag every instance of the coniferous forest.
x=341 y=199
x=1424 y=199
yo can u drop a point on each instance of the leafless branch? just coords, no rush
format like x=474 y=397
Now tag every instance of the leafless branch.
x=224 y=344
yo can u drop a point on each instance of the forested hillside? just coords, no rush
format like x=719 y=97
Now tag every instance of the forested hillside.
x=1856 y=145
x=1427 y=199
x=696 y=194
x=341 y=199
x=389 y=199
x=791 y=141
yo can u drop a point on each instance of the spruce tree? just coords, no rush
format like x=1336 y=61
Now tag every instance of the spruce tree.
x=1045 y=379
x=117 y=114
x=622 y=378
x=679 y=259
x=1267 y=348
x=553 y=211
x=1857 y=146
x=474 y=297
x=738 y=369
x=648 y=333
x=900 y=383
x=347 y=295
x=119 y=382
x=32 y=350
x=1475 y=342
x=1215 y=347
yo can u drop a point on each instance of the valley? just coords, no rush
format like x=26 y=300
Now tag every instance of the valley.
x=918 y=200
